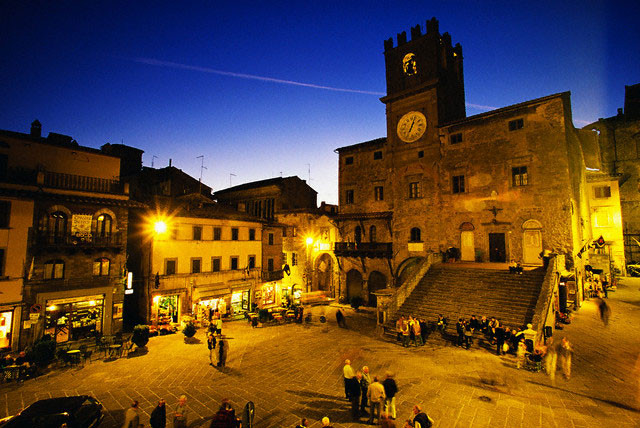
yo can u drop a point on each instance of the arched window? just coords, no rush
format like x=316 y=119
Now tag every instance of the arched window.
x=415 y=235
x=103 y=225
x=54 y=269
x=372 y=234
x=357 y=235
x=56 y=224
x=101 y=266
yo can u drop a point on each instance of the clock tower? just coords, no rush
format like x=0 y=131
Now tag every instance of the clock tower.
x=425 y=85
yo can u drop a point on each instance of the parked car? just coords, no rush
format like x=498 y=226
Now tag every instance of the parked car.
x=80 y=411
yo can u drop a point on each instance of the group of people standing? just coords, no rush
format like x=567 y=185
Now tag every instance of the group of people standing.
x=215 y=338
x=364 y=390
x=412 y=330
x=225 y=417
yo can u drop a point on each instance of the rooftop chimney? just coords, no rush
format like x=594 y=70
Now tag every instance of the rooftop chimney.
x=36 y=129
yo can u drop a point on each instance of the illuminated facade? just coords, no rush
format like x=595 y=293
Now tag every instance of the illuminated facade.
x=502 y=185
x=70 y=214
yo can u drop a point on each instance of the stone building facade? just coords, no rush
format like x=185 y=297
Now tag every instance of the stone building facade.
x=502 y=185
x=617 y=154
x=71 y=213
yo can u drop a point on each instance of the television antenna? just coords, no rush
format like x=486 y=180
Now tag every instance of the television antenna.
x=202 y=167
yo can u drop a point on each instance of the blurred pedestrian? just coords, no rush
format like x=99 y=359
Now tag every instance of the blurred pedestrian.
x=303 y=423
x=180 y=414
x=211 y=345
x=423 y=330
x=399 y=324
x=460 y=331
x=386 y=421
x=158 y=418
x=347 y=373
x=376 y=397
x=364 y=387
x=353 y=387
x=417 y=333
x=132 y=416
x=604 y=310
x=420 y=418
x=499 y=338
x=390 y=391
x=565 y=352
x=342 y=322
x=551 y=360
x=223 y=351
x=521 y=353
x=225 y=417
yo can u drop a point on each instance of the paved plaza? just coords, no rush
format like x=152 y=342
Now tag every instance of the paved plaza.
x=292 y=370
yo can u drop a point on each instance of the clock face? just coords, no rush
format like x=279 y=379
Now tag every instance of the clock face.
x=411 y=126
x=409 y=64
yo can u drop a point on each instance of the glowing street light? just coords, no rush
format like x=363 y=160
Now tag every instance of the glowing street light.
x=309 y=240
x=160 y=227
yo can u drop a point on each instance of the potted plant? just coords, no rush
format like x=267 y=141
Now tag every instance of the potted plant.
x=43 y=351
x=140 y=335
x=189 y=331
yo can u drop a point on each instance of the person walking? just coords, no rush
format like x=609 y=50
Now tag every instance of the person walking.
x=340 y=319
x=460 y=331
x=499 y=337
x=303 y=423
x=376 y=397
x=223 y=351
x=158 y=418
x=420 y=418
x=364 y=387
x=326 y=423
x=132 y=416
x=551 y=360
x=417 y=336
x=565 y=352
x=211 y=344
x=390 y=391
x=347 y=373
x=180 y=414
x=423 y=331
x=405 y=333
x=219 y=324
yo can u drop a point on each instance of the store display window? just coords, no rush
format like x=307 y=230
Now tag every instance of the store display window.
x=167 y=307
x=5 y=329
x=268 y=295
x=66 y=321
x=240 y=301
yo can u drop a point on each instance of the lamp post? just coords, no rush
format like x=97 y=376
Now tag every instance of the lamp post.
x=159 y=228
x=309 y=242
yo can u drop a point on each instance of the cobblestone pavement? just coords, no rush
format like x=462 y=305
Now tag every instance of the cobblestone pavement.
x=292 y=370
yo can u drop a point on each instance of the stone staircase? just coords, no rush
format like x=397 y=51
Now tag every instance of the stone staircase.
x=456 y=291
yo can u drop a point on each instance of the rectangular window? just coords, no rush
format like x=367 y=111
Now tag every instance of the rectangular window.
x=196 y=265
x=519 y=176
x=215 y=264
x=414 y=190
x=294 y=231
x=197 y=233
x=458 y=184
x=456 y=138
x=234 y=233
x=252 y=234
x=270 y=265
x=5 y=213
x=234 y=262
x=516 y=124
x=271 y=239
x=348 y=160
x=348 y=197
x=377 y=155
x=54 y=269
x=284 y=232
x=217 y=233
x=170 y=266
x=251 y=262
x=421 y=154
x=378 y=192
x=601 y=192
x=294 y=259
x=101 y=267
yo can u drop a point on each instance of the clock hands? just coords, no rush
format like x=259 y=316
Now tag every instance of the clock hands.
x=412 y=122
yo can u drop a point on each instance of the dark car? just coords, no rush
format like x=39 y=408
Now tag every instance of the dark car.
x=80 y=411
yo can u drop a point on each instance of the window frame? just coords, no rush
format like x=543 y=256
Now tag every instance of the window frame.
x=54 y=264
x=251 y=261
x=217 y=233
x=455 y=138
x=349 y=197
x=233 y=259
x=213 y=264
x=458 y=184
x=101 y=261
x=196 y=233
x=192 y=263
x=378 y=193
x=414 y=190
x=271 y=238
x=516 y=124
x=166 y=266
x=5 y=214
x=606 y=192
x=377 y=155
x=348 y=160
x=415 y=234
x=519 y=176
x=235 y=234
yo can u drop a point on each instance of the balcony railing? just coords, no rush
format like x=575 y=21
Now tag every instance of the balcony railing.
x=272 y=275
x=364 y=249
x=58 y=180
x=45 y=239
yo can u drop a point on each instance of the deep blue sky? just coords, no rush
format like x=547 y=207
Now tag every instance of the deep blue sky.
x=90 y=69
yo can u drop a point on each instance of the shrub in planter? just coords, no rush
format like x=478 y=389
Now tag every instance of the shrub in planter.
x=356 y=302
x=43 y=351
x=189 y=329
x=140 y=335
x=264 y=315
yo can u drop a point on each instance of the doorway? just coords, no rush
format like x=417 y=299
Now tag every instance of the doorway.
x=497 y=248
x=467 y=248
x=354 y=284
x=531 y=242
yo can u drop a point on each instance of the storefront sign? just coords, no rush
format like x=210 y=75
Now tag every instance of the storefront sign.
x=81 y=224
x=34 y=317
x=74 y=299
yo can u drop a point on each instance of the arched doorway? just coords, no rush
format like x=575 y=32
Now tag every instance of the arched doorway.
x=467 y=246
x=377 y=281
x=406 y=269
x=531 y=242
x=324 y=268
x=354 y=284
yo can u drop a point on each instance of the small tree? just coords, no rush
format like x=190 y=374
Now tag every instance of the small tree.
x=189 y=329
x=140 y=335
x=43 y=351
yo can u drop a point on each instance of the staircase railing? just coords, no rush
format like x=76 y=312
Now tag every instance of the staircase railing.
x=401 y=293
x=544 y=314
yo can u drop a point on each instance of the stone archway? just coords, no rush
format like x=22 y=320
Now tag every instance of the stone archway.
x=406 y=268
x=377 y=281
x=354 y=284
x=324 y=269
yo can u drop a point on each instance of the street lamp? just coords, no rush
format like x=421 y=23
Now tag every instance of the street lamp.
x=157 y=227
x=309 y=242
